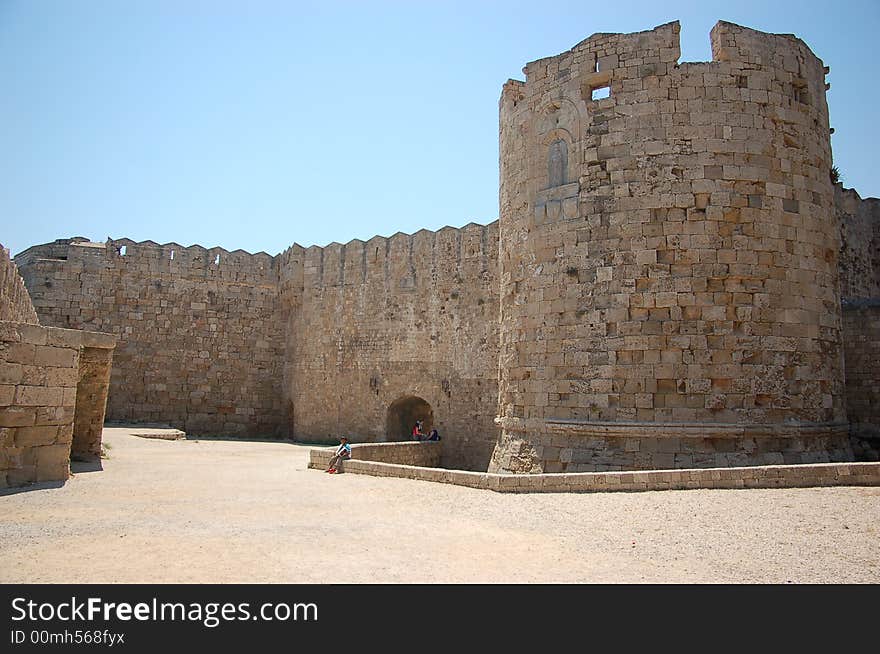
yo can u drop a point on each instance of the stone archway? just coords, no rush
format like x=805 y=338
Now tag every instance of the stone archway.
x=402 y=415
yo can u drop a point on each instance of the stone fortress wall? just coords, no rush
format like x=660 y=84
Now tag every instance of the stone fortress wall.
x=669 y=258
x=373 y=326
x=662 y=290
x=200 y=333
x=860 y=288
x=313 y=343
x=859 y=222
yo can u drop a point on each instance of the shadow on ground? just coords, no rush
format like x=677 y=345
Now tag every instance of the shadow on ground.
x=34 y=486
x=77 y=467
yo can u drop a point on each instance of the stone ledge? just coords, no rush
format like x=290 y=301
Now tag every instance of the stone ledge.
x=17 y=332
x=782 y=476
x=160 y=434
x=420 y=454
x=654 y=430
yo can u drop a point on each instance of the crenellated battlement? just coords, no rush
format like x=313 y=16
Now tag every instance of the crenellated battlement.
x=153 y=260
x=603 y=52
x=410 y=257
x=200 y=343
x=752 y=63
x=401 y=261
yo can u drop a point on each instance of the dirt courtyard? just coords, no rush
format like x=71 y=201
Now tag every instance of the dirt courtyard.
x=215 y=511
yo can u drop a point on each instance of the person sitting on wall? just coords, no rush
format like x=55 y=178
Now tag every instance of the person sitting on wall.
x=417 y=432
x=433 y=436
x=342 y=453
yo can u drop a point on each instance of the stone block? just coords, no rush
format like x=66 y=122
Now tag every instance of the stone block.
x=35 y=436
x=10 y=457
x=10 y=373
x=18 y=353
x=506 y=483
x=53 y=462
x=14 y=416
x=646 y=256
x=7 y=437
x=64 y=338
x=38 y=396
x=493 y=481
x=33 y=376
x=54 y=415
x=7 y=394
x=10 y=332
x=62 y=376
x=59 y=357
x=21 y=475
x=34 y=334
x=776 y=190
x=98 y=340
x=68 y=396
x=65 y=435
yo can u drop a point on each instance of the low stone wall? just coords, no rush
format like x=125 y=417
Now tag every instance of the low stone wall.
x=552 y=446
x=39 y=403
x=407 y=453
x=795 y=476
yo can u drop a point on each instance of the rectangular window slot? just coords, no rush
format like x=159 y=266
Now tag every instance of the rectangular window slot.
x=600 y=93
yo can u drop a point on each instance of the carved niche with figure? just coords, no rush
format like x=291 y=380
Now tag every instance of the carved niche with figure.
x=558 y=133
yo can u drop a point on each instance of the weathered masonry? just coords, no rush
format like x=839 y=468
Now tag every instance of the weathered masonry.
x=53 y=389
x=673 y=282
x=357 y=339
x=200 y=338
x=669 y=291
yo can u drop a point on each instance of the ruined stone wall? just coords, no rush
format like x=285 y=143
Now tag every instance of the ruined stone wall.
x=39 y=372
x=15 y=303
x=92 y=390
x=669 y=283
x=407 y=316
x=200 y=335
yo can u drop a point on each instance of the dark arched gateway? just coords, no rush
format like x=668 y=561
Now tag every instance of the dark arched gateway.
x=402 y=415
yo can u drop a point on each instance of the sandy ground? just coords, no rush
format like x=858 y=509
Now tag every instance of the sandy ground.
x=231 y=511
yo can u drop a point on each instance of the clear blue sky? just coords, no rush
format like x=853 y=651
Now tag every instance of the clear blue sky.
x=255 y=124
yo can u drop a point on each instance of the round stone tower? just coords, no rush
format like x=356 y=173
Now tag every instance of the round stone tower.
x=669 y=292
